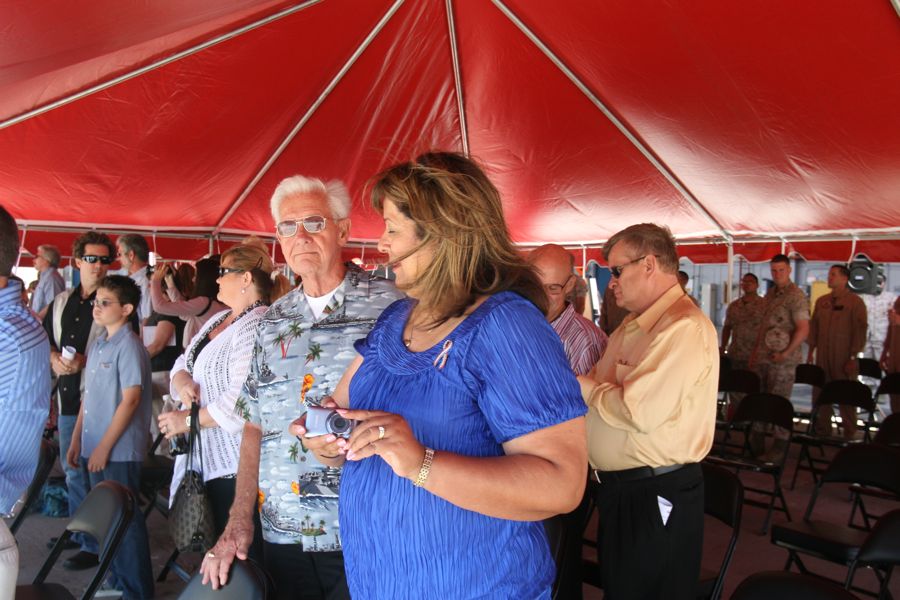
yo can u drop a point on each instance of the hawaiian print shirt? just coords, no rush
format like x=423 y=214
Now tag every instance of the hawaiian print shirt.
x=297 y=361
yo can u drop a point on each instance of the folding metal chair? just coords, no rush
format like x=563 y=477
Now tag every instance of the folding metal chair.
x=781 y=585
x=247 y=581
x=868 y=464
x=738 y=381
x=880 y=552
x=105 y=514
x=888 y=435
x=835 y=393
x=723 y=500
x=768 y=409
x=813 y=376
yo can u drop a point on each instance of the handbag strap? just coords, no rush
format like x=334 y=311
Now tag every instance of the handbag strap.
x=194 y=437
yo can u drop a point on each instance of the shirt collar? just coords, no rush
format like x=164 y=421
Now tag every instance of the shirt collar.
x=122 y=332
x=565 y=314
x=649 y=317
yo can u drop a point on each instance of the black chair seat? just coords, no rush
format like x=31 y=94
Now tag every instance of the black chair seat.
x=44 y=591
x=820 y=538
x=744 y=463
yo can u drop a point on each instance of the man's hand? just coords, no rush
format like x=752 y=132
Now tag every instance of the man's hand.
x=234 y=541
x=776 y=357
x=850 y=369
x=99 y=459
x=61 y=366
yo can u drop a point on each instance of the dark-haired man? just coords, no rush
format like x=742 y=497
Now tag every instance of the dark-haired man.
x=651 y=419
x=24 y=396
x=742 y=320
x=837 y=334
x=70 y=322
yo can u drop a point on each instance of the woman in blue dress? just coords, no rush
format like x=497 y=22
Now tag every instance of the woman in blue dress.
x=470 y=422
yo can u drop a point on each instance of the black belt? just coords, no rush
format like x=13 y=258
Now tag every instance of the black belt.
x=633 y=474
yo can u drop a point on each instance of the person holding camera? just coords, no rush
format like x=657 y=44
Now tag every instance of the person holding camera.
x=469 y=420
x=303 y=347
x=211 y=372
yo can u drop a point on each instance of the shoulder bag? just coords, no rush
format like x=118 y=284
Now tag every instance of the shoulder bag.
x=190 y=520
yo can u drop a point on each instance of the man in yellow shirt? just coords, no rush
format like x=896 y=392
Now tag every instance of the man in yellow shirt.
x=652 y=400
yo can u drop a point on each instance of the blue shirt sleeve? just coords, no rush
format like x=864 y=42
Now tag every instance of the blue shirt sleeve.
x=521 y=368
x=132 y=361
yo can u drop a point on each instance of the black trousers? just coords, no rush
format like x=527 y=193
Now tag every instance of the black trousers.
x=640 y=558
x=221 y=496
x=306 y=575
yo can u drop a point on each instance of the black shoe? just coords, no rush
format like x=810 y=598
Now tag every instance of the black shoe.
x=81 y=561
x=69 y=545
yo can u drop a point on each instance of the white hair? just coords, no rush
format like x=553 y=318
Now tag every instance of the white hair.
x=335 y=193
x=50 y=253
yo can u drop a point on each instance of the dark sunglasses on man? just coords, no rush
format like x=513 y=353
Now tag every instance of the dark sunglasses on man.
x=93 y=258
x=290 y=227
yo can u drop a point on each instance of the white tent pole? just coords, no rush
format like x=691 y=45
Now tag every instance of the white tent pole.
x=583 y=260
x=896 y=5
x=309 y=113
x=618 y=123
x=729 y=294
x=155 y=65
x=362 y=254
x=22 y=245
x=454 y=53
x=852 y=249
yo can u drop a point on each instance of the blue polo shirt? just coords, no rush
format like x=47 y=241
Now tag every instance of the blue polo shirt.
x=113 y=365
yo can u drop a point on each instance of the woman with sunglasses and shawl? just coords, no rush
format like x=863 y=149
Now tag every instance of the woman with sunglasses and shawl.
x=470 y=425
x=211 y=372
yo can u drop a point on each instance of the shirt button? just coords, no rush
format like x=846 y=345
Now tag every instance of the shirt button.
x=76 y=319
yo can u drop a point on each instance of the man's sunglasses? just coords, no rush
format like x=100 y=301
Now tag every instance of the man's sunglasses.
x=289 y=228
x=93 y=258
x=617 y=271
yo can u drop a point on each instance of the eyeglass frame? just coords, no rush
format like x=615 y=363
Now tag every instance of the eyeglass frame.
x=616 y=271
x=298 y=222
x=103 y=302
x=223 y=271
x=555 y=288
x=95 y=258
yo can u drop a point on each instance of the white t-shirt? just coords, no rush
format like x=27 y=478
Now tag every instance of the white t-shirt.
x=318 y=304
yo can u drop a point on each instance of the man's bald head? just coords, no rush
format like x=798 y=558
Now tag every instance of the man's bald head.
x=555 y=267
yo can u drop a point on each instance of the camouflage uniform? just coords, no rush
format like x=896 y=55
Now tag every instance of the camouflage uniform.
x=784 y=308
x=744 y=316
x=837 y=331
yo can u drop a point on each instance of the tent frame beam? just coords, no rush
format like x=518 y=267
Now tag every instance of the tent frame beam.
x=457 y=79
x=308 y=115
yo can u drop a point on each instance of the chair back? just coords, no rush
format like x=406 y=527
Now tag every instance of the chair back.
x=46 y=459
x=723 y=499
x=739 y=380
x=724 y=367
x=869 y=367
x=889 y=431
x=882 y=547
x=845 y=392
x=810 y=375
x=866 y=464
x=889 y=385
x=785 y=585
x=245 y=582
x=765 y=408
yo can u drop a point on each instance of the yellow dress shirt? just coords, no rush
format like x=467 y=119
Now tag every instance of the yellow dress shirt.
x=653 y=394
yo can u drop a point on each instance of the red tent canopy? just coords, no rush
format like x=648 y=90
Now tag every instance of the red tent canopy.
x=729 y=122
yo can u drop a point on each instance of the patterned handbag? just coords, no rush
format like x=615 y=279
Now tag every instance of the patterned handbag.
x=190 y=520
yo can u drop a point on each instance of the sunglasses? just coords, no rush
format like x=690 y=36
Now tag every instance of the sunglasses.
x=223 y=271
x=617 y=271
x=104 y=303
x=93 y=258
x=289 y=228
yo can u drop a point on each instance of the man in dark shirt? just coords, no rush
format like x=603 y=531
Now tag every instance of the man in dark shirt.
x=70 y=323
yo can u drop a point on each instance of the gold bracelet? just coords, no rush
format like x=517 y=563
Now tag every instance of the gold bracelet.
x=426 y=468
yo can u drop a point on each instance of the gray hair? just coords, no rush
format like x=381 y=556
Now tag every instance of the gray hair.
x=50 y=253
x=334 y=191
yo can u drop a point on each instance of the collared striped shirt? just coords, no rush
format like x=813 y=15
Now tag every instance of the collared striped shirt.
x=24 y=393
x=583 y=341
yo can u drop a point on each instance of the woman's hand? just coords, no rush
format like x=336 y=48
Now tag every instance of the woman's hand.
x=189 y=393
x=387 y=435
x=159 y=273
x=173 y=423
x=327 y=448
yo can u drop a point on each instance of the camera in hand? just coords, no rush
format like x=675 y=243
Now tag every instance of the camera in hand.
x=322 y=421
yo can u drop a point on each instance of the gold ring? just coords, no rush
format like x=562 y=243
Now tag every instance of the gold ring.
x=210 y=555
x=380 y=432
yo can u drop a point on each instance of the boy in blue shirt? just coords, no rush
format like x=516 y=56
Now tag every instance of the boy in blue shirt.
x=112 y=432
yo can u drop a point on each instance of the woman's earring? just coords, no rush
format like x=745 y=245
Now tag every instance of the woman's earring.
x=243 y=290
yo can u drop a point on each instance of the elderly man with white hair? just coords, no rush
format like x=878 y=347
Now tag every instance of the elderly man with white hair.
x=50 y=282
x=304 y=344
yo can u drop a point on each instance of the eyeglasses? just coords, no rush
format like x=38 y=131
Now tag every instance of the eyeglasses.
x=92 y=258
x=289 y=228
x=617 y=271
x=223 y=271
x=102 y=303
x=555 y=288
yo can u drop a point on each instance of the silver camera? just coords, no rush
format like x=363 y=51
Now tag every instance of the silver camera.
x=322 y=421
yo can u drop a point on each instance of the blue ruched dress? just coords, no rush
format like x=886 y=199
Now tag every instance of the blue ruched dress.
x=505 y=374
